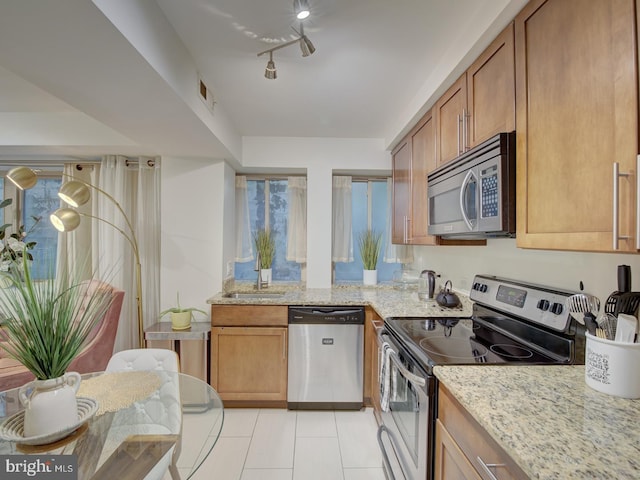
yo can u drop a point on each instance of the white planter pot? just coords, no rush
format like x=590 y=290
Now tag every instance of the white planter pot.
x=51 y=404
x=180 y=320
x=266 y=275
x=369 y=277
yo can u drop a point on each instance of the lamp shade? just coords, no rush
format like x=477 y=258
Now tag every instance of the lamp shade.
x=23 y=177
x=74 y=193
x=65 y=219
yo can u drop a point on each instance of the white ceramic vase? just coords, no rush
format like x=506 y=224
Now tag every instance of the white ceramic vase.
x=50 y=405
x=266 y=275
x=369 y=277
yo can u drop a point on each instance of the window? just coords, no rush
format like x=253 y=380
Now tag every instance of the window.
x=268 y=208
x=37 y=202
x=369 y=210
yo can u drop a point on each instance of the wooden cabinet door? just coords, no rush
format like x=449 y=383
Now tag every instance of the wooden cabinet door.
x=423 y=160
x=401 y=200
x=450 y=462
x=491 y=97
x=449 y=113
x=249 y=363
x=576 y=114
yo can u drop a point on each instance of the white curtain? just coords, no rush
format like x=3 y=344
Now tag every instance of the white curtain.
x=297 y=221
x=74 y=250
x=342 y=247
x=136 y=188
x=394 y=253
x=244 y=242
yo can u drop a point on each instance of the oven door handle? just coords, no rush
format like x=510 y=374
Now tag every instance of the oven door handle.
x=412 y=377
x=393 y=355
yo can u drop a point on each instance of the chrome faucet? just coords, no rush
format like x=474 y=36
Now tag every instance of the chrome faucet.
x=260 y=283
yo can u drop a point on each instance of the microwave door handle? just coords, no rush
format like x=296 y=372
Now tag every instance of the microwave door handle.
x=463 y=192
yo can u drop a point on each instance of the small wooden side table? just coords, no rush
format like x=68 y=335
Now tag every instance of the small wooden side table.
x=192 y=345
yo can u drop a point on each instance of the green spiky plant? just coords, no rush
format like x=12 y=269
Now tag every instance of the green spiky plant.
x=45 y=324
x=370 y=242
x=179 y=309
x=265 y=246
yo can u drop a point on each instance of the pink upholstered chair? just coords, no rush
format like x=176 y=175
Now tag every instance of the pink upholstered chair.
x=93 y=357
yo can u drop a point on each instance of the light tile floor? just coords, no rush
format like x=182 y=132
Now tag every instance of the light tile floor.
x=271 y=444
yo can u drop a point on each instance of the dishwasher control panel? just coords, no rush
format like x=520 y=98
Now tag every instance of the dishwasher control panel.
x=327 y=315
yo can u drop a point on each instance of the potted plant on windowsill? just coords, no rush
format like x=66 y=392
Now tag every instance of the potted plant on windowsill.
x=45 y=324
x=181 y=316
x=266 y=248
x=370 y=242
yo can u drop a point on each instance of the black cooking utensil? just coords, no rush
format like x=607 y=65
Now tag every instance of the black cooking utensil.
x=612 y=304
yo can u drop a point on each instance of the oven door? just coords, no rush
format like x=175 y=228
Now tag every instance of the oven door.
x=406 y=433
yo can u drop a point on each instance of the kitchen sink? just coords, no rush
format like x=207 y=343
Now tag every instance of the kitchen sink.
x=258 y=295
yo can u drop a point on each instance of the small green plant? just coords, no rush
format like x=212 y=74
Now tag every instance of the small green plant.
x=370 y=242
x=45 y=324
x=14 y=245
x=179 y=309
x=265 y=246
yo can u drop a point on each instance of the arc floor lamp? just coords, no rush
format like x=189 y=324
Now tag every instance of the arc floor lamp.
x=76 y=193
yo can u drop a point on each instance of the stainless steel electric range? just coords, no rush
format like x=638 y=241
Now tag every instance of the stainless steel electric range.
x=512 y=322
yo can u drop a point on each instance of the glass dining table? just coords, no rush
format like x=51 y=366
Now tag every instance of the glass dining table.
x=131 y=411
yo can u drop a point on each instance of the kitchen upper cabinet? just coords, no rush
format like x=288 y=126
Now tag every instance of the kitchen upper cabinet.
x=451 y=112
x=249 y=354
x=480 y=104
x=577 y=117
x=412 y=159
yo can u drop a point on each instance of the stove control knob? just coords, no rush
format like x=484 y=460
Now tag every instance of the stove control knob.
x=543 y=305
x=557 y=308
x=483 y=288
x=475 y=286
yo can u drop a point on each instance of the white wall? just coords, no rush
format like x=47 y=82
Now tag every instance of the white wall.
x=564 y=270
x=196 y=229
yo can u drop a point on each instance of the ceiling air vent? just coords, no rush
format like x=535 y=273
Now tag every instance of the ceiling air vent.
x=206 y=95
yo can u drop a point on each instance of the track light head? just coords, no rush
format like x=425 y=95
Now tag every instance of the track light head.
x=301 y=9
x=306 y=46
x=270 y=71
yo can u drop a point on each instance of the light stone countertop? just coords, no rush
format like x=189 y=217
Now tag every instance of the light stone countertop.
x=549 y=421
x=386 y=300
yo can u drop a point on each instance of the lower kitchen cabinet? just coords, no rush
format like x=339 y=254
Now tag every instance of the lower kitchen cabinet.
x=464 y=450
x=249 y=354
x=249 y=363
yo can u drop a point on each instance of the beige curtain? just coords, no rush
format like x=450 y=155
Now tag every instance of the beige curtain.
x=342 y=246
x=297 y=221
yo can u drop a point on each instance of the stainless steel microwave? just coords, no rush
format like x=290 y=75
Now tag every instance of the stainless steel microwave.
x=474 y=196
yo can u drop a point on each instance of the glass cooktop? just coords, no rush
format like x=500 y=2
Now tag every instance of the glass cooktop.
x=454 y=341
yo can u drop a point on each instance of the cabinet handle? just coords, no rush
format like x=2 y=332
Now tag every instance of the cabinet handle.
x=616 y=204
x=466 y=116
x=459 y=134
x=487 y=466
x=638 y=202
x=409 y=236
x=405 y=232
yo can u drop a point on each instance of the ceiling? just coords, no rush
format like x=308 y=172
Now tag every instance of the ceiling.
x=112 y=74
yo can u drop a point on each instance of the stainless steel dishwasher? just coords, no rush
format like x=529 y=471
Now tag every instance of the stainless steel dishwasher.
x=326 y=356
